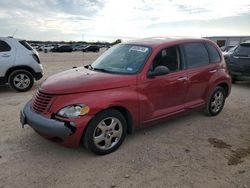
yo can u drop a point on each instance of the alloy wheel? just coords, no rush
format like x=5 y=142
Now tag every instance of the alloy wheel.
x=107 y=133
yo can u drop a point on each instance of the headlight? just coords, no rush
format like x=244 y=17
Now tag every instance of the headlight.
x=73 y=111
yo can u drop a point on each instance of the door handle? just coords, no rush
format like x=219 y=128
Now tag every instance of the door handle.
x=5 y=55
x=184 y=78
x=213 y=71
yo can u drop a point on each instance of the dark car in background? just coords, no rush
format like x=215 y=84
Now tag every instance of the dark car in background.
x=238 y=62
x=64 y=48
x=91 y=48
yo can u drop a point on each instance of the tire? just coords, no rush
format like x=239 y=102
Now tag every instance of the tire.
x=233 y=80
x=102 y=136
x=21 y=80
x=216 y=102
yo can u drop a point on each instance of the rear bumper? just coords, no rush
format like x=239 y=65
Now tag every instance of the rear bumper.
x=240 y=75
x=38 y=75
x=2 y=80
x=43 y=125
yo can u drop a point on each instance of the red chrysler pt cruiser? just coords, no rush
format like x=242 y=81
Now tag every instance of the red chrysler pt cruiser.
x=126 y=88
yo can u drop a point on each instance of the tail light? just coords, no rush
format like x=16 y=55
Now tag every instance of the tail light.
x=36 y=58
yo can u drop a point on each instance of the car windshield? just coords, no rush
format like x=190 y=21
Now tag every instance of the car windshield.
x=122 y=59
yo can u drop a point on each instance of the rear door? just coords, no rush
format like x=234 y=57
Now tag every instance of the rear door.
x=7 y=57
x=199 y=72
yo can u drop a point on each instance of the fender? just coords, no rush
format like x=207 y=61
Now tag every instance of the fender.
x=218 y=80
x=126 y=98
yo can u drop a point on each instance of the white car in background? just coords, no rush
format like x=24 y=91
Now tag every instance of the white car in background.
x=46 y=48
x=19 y=64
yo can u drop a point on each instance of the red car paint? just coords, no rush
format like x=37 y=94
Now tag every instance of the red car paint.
x=145 y=99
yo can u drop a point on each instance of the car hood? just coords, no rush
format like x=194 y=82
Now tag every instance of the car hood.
x=84 y=80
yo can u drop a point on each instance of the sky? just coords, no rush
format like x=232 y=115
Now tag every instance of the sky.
x=108 y=20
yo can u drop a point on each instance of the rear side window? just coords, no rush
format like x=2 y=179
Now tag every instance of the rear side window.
x=243 y=49
x=4 y=47
x=196 y=55
x=26 y=45
x=214 y=55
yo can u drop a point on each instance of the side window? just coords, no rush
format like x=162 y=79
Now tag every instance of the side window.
x=4 y=47
x=169 y=57
x=196 y=55
x=214 y=55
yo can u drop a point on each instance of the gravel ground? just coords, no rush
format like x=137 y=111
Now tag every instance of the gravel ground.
x=188 y=151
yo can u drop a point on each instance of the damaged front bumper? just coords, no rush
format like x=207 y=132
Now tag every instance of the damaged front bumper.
x=42 y=124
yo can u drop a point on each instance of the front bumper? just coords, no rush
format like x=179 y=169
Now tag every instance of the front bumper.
x=42 y=124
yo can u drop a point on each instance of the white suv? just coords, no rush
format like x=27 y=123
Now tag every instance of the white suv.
x=19 y=64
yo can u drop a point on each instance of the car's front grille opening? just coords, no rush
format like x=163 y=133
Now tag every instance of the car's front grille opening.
x=41 y=102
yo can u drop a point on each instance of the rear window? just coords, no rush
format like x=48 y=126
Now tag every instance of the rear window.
x=4 y=47
x=196 y=55
x=243 y=49
x=26 y=44
x=214 y=55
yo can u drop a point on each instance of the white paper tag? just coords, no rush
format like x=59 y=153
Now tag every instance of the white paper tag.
x=138 y=49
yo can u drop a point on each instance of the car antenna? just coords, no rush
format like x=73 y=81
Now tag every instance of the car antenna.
x=14 y=33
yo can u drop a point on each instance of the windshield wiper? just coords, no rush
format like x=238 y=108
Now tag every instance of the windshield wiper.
x=100 y=69
x=90 y=67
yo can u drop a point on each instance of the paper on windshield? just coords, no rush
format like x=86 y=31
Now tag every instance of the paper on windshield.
x=138 y=49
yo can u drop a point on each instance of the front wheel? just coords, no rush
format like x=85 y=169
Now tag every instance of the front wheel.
x=21 y=80
x=106 y=132
x=216 y=102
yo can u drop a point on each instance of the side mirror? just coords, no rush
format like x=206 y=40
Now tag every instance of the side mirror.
x=158 y=71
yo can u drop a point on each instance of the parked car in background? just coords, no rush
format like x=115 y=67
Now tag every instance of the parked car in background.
x=46 y=48
x=78 y=47
x=63 y=48
x=238 y=62
x=19 y=64
x=130 y=86
x=91 y=48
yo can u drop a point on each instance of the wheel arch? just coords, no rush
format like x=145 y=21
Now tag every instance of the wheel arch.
x=225 y=86
x=125 y=112
x=20 y=67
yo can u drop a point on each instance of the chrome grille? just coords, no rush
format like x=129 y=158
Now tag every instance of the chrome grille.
x=41 y=102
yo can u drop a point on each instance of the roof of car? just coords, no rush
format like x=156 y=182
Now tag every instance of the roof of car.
x=10 y=38
x=156 y=41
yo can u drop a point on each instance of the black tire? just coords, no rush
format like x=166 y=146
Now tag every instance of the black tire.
x=216 y=102
x=25 y=83
x=93 y=132
x=233 y=80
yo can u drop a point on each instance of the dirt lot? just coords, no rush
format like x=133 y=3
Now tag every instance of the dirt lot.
x=189 y=151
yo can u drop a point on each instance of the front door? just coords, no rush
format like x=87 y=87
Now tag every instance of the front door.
x=163 y=95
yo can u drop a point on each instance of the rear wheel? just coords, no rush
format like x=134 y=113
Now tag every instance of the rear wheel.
x=106 y=132
x=216 y=102
x=21 y=80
